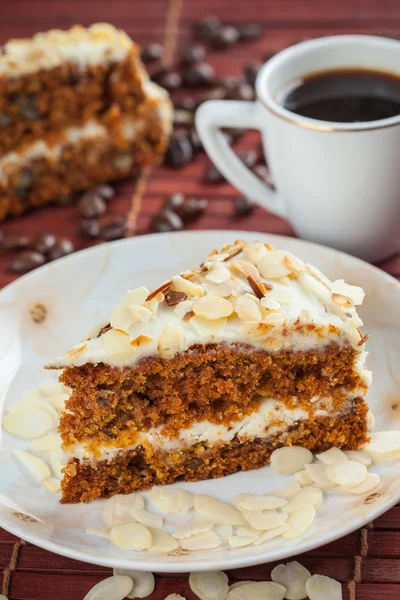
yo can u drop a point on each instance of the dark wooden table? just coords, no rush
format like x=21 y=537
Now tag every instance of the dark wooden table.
x=367 y=562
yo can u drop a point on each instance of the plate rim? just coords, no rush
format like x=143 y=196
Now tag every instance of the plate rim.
x=235 y=560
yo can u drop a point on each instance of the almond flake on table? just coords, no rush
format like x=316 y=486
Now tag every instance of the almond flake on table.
x=36 y=467
x=193 y=529
x=28 y=424
x=299 y=521
x=143 y=582
x=202 y=541
x=162 y=541
x=116 y=587
x=209 y=585
x=256 y=503
x=258 y=590
x=131 y=536
x=320 y=587
x=293 y=576
x=331 y=456
x=219 y=512
x=271 y=534
x=347 y=473
x=290 y=459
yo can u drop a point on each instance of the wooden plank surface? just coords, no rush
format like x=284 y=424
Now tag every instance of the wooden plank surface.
x=367 y=562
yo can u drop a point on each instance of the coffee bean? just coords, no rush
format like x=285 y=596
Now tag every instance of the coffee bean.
x=151 y=53
x=243 y=91
x=92 y=204
x=199 y=75
x=207 y=28
x=90 y=228
x=65 y=200
x=26 y=261
x=15 y=242
x=44 y=243
x=186 y=103
x=167 y=79
x=174 y=202
x=192 y=208
x=212 y=175
x=114 y=230
x=251 y=71
x=165 y=221
x=193 y=54
x=106 y=191
x=62 y=247
x=249 y=31
x=179 y=151
x=216 y=93
x=243 y=206
x=23 y=181
x=225 y=37
x=249 y=157
x=231 y=82
x=183 y=117
x=195 y=140
x=4 y=120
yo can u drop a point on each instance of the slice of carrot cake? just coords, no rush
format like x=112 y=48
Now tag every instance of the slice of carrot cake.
x=77 y=108
x=209 y=373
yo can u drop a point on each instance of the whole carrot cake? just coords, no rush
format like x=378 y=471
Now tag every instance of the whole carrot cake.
x=76 y=108
x=210 y=372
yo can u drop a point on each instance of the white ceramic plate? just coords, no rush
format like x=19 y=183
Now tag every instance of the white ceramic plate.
x=79 y=291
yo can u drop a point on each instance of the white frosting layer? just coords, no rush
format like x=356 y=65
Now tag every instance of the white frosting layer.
x=300 y=312
x=271 y=418
x=99 y=43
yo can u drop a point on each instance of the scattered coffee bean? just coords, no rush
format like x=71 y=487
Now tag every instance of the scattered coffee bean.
x=4 y=120
x=62 y=247
x=249 y=32
x=106 y=191
x=213 y=175
x=90 y=228
x=193 y=54
x=231 y=82
x=195 y=140
x=192 y=208
x=243 y=91
x=92 y=204
x=249 y=157
x=216 y=93
x=243 y=206
x=168 y=79
x=183 y=117
x=179 y=151
x=26 y=261
x=251 y=71
x=225 y=37
x=207 y=28
x=166 y=220
x=151 y=53
x=65 y=200
x=23 y=181
x=15 y=242
x=199 y=75
x=174 y=202
x=115 y=230
x=44 y=243
x=186 y=103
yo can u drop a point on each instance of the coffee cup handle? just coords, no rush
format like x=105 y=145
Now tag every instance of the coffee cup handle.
x=213 y=115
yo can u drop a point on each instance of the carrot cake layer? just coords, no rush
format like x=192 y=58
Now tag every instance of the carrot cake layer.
x=204 y=345
x=60 y=82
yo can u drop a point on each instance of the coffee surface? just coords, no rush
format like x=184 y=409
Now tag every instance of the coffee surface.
x=345 y=96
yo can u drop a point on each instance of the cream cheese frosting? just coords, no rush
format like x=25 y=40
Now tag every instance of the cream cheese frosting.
x=245 y=294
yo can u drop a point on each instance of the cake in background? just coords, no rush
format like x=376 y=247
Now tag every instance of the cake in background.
x=77 y=109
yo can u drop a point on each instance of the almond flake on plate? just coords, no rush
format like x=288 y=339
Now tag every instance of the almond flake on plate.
x=101 y=532
x=219 y=512
x=293 y=576
x=193 y=529
x=55 y=464
x=28 y=424
x=148 y=519
x=383 y=442
x=58 y=401
x=262 y=521
x=239 y=584
x=272 y=533
x=209 y=585
x=319 y=477
x=256 y=503
x=51 y=387
x=224 y=532
x=258 y=590
x=203 y=541
x=303 y=478
x=52 y=485
x=347 y=473
x=35 y=465
x=162 y=541
x=288 y=491
x=359 y=456
x=320 y=587
x=308 y=496
x=290 y=459
x=131 y=536
x=240 y=541
x=171 y=500
x=331 y=456
x=371 y=482
x=247 y=531
x=116 y=587
x=299 y=521
x=47 y=443
x=143 y=582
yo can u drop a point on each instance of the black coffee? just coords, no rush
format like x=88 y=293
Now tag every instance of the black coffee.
x=345 y=95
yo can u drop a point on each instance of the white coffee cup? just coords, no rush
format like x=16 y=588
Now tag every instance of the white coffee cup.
x=337 y=183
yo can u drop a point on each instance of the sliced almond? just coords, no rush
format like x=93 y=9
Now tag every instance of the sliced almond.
x=192 y=290
x=143 y=582
x=48 y=443
x=262 y=521
x=371 y=482
x=254 y=252
x=270 y=303
x=299 y=521
x=162 y=541
x=172 y=500
x=209 y=585
x=148 y=519
x=319 y=477
x=359 y=456
x=258 y=590
x=218 y=274
x=288 y=491
x=58 y=401
x=101 y=532
x=194 y=529
x=247 y=309
x=183 y=307
x=320 y=587
x=240 y=541
x=51 y=387
x=52 y=485
x=353 y=293
x=347 y=473
x=174 y=597
x=206 y=327
x=171 y=340
x=212 y=307
x=154 y=303
x=28 y=424
x=331 y=456
x=383 y=442
x=44 y=405
x=271 y=534
x=158 y=291
x=131 y=536
x=117 y=588
x=140 y=313
x=121 y=318
x=245 y=268
x=308 y=495
x=304 y=478
x=36 y=467
x=224 y=532
x=257 y=503
x=293 y=576
x=247 y=531
x=273 y=265
x=56 y=463
x=117 y=346
x=290 y=460
x=142 y=340
x=218 y=512
x=203 y=541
